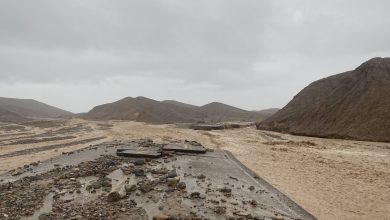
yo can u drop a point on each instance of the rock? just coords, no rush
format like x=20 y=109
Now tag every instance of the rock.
x=130 y=188
x=160 y=217
x=45 y=216
x=234 y=178
x=110 y=163
x=172 y=182
x=17 y=172
x=139 y=172
x=145 y=187
x=220 y=210
x=201 y=176
x=181 y=185
x=195 y=195
x=172 y=174
x=251 y=188
x=139 y=162
x=253 y=202
x=225 y=190
x=114 y=196
x=106 y=183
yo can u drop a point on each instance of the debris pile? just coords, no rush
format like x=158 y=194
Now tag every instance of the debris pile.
x=183 y=182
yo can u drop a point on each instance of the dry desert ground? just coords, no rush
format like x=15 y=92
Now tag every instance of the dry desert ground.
x=332 y=179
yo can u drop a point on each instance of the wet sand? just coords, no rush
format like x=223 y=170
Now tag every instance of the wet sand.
x=332 y=179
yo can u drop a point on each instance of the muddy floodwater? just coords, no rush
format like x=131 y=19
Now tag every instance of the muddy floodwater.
x=331 y=179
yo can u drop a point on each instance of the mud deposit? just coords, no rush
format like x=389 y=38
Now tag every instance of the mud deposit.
x=95 y=183
x=330 y=178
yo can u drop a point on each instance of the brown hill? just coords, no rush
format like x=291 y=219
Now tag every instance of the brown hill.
x=148 y=110
x=10 y=117
x=353 y=105
x=31 y=108
x=144 y=110
x=217 y=111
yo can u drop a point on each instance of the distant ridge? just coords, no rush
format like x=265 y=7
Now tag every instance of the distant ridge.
x=353 y=105
x=173 y=102
x=169 y=111
x=268 y=112
x=144 y=110
x=217 y=111
x=31 y=108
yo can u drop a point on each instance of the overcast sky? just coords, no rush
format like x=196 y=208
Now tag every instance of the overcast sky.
x=253 y=54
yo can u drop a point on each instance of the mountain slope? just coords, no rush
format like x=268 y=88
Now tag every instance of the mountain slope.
x=8 y=116
x=353 y=104
x=31 y=108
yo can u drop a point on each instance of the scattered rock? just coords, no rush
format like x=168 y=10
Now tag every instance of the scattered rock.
x=139 y=172
x=181 y=185
x=172 y=174
x=130 y=188
x=220 y=210
x=201 y=176
x=139 y=162
x=114 y=196
x=172 y=182
x=145 y=187
x=195 y=195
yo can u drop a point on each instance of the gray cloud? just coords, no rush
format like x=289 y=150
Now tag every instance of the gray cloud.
x=252 y=54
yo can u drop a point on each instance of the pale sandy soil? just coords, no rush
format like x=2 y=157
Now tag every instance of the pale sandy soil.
x=332 y=179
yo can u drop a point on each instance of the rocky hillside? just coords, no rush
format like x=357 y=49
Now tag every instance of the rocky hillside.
x=352 y=105
x=31 y=108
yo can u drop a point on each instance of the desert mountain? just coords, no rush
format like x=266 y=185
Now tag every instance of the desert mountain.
x=353 y=105
x=144 y=110
x=31 y=108
x=148 y=110
x=11 y=117
x=217 y=111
